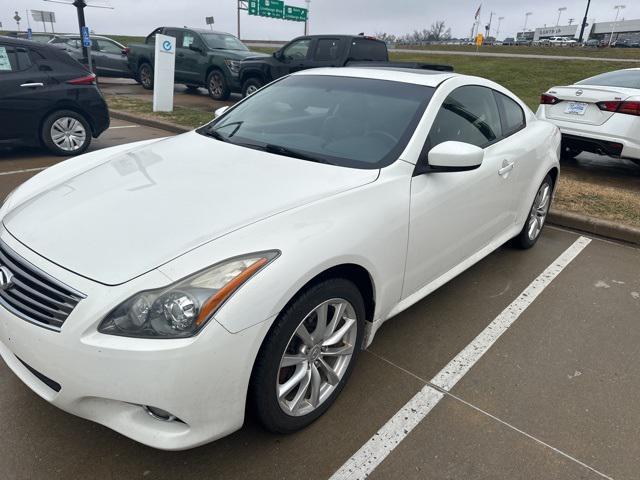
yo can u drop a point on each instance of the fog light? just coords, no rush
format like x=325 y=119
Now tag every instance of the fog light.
x=160 y=414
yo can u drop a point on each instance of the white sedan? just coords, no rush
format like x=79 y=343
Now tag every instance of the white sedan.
x=158 y=287
x=599 y=115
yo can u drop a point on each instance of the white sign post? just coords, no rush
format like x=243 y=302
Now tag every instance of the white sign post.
x=163 y=74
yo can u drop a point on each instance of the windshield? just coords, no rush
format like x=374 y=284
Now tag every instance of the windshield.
x=619 y=78
x=223 y=41
x=351 y=122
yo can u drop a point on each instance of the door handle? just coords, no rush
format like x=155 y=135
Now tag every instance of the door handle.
x=507 y=166
x=32 y=85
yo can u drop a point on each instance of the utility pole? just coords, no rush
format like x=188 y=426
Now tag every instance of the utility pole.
x=306 y=23
x=80 y=6
x=526 y=20
x=617 y=9
x=584 y=22
x=560 y=10
x=498 y=30
x=242 y=5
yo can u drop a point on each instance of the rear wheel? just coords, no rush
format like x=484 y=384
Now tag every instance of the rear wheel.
x=217 y=86
x=145 y=75
x=66 y=132
x=537 y=218
x=307 y=358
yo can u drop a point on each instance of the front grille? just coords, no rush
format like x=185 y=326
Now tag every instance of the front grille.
x=32 y=294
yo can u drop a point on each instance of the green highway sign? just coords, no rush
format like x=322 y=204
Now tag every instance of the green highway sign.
x=277 y=9
x=296 y=14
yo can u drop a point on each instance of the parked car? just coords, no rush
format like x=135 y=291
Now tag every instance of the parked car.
x=249 y=262
x=311 y=51
x=39 y=37
x=509 y=41
x=600 y=114
x=108 y=57
x=204 y=59
x=593 y=43
x=47 y=98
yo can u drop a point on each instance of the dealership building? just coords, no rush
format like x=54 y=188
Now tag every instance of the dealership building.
x=622 y=30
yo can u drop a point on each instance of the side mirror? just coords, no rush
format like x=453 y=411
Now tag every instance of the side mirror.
x=455 y=157
x=220 y=111
x=278 y=55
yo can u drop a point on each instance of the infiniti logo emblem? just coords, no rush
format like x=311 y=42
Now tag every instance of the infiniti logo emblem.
x=6 y=278
x=579 y=92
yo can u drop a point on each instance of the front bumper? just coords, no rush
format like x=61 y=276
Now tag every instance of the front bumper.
x=203 y=381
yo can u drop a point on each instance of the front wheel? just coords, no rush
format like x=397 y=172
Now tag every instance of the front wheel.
x=537 y=218
x=66 y=132
x=217 y=86
x=251 y=86
x=307 y=357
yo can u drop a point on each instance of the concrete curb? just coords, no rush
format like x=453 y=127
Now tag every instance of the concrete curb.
x=603 y=228
x=596 y=226
x=149 y=122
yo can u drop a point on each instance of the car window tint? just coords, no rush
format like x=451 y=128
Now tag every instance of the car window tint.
x=469 y=115
x=619 y=78
x=24 y=61
x=14 y=59
x=327 y=49
x=177 y=34
x=512 y=114
x=365 y=49
x=187 y=39
x=297 y=50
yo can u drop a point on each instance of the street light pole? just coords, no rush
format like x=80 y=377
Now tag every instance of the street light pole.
x=498 y=29
x=584 y=22
x=560 y=10
x=80 y=5
x=617 y=9
x=306 y=22
x=526 y=20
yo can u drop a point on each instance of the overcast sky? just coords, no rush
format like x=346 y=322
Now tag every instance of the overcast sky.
x=139 y=17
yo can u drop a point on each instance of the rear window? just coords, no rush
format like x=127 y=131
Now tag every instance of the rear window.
x=511 y=113
x=619 y=78
x=368 y=50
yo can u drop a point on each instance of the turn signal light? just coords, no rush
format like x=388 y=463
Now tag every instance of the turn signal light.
x=87 y=80
x=546 y=99
x=628 y=108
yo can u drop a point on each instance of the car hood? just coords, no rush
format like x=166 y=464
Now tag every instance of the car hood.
x=242 y=54
x=145 y=206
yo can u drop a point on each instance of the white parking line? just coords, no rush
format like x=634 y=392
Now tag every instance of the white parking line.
x=124 y=126
x=385 y=440
x=26 y=170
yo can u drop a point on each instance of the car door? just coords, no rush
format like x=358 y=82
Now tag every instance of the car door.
x=22 y=92
x=114 y=61
x=190 y=59
x=292 y=58
x=327 y=52
x=455 y=216
x=181 y=74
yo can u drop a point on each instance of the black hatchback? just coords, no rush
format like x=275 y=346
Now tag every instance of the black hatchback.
x=47 y=98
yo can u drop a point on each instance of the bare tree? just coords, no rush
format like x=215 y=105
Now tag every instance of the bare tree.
x=437 y=31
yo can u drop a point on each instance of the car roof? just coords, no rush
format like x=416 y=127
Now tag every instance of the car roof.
x=429 y=78
x=20 y=42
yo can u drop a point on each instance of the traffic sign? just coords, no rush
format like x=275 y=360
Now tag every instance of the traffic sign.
x=29 y=33
x=271 y=8
x=86 y=39
x=295 y=14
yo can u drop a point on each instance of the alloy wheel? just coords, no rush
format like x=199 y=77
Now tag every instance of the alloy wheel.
x=539 y=211
x=215 y=85
x=251 y=89
x=68 y=134
x=317 y=356
x=145 y=76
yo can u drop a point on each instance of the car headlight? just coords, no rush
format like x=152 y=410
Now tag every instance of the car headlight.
x=233 y=66
x=183 y=308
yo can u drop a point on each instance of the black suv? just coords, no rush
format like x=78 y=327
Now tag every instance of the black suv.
x=48 y=98
x=310 y=52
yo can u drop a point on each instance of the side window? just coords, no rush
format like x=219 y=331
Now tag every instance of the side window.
x=297 y=50
x=512 y=115
x=109 y=47
x=14 y=59
x=368 y=50
x=177 y=34
x=187 y=39
x=327 y=49
x=469 y=115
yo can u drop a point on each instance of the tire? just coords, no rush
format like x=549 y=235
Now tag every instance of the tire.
x=145 y=76
x=538 y=213
x=66 y=132
x=282 y=414
x=217 y=86
x=250 y=86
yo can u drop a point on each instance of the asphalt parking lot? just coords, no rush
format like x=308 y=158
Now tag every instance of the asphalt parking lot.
x=554 y=397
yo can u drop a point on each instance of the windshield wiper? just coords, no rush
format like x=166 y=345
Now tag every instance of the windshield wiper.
x=217 y=135
x=287 y=152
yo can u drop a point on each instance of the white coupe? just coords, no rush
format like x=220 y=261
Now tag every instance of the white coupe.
x=159 y=287
x=599 y=115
